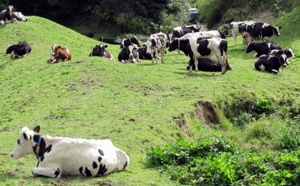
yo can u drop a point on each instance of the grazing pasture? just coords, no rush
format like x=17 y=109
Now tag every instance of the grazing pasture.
x=137 y=106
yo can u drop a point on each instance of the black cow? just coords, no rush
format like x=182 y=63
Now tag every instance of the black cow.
x=262 y=48
x=260 y=30
x=6 y=15
x=129 y=54
x=143 y=53
x=130 y=40
x=197 y=47
x=207 y=65
x=180 y=31
x=100 y=50
x=113 y=41
x=270 y=63
x=21 y=49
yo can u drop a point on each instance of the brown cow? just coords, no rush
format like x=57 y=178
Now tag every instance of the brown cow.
x=59 y=54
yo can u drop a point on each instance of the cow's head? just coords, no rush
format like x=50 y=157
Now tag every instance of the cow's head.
x=10 y=10
x=132 y=51
x=10 y=49
x=19 y=16
x=174 y=45
x=276 y=30
x=250 y=47
x=101 y=49
x=289 y=53
x=25 y=142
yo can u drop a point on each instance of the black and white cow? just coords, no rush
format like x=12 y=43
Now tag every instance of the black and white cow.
x=19 y=50
x=101 y=50
x=59 y=156
x=270 y=63
x=19 y=16
x=262 y=48
x=288 y=52
x=143 y=53
x=260 y=30
x=207 y=65
x=238 y=28
x=156 y=44
x=180 y=31
x=130 y=40
x=6 y=15
x=214 y=49
x=129 y=54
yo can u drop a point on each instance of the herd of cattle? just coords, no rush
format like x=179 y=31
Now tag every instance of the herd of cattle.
x=207 y=51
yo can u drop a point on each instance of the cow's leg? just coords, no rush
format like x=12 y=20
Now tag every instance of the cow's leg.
x=162 y=55
x=224 y=63
x=53 y=172
x=196 y=64
x=234 y=36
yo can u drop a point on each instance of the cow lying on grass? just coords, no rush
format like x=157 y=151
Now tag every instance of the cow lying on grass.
x=59 y=156
x=19 y=50
x=59 y=53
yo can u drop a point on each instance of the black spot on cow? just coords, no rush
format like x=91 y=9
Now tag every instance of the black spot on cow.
x=88 y=172
x=57 y=172
x=95 y=165
x=100 y=152
x=43 y=148
x=80 y=170
x=125 y=165
x=99 y=159
x=102 y=169
x=202 y=48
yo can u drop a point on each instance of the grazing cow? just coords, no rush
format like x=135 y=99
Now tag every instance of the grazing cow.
x=214 y=49
x=180 y=31
x=157 y=43
x=288 y=52
x=59 y=53
x=262 y=48
x=260 y=30
x=270 y=63
x=6 y=14
x=238 y=28
x=59 y=156
x=19 y=50
x=143 y=53
x=100 y=50
x=129 y=54
x=130 y=41
x=207 y=65
x=113 y=41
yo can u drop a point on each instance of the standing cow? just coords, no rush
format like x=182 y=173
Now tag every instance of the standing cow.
x=59 y=156
x=157 y=43
x=197 y=47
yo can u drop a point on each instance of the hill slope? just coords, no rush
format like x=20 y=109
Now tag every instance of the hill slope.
x=137 y=106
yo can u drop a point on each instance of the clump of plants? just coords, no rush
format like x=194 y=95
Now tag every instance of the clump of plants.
x=218 y=161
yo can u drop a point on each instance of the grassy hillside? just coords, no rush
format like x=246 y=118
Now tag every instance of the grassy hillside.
x=137 y=106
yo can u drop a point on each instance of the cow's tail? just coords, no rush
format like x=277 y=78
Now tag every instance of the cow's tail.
x=223 y=51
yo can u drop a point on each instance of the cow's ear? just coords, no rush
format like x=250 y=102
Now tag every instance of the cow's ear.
x=26 y=136
x=37 y=129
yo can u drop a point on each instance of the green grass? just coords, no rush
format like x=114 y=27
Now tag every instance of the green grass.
x=132 y=104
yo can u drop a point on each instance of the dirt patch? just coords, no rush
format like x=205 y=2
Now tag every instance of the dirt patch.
x=206 y=113
x=180 y=121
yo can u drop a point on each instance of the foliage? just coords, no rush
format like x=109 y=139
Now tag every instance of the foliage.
x=225 y=166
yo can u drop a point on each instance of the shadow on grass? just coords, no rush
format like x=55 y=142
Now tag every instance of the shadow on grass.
x=199 y=74
x=2 y=66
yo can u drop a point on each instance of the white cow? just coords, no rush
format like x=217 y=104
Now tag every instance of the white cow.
x=157 y=43
x=69 y=156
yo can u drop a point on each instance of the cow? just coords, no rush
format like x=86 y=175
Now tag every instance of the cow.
x=59 y=53
x=261 y=30
x=19 y=16
x=129 y=40
x=207 y=65
x=157 y=43
x=114 y=41
x=101 y=50
x=270 y=63
x=262 y=48
x=6 y=15
x=59 y=156
x=129 y=54
x=197 y=47
x=238 y=28
x=180 y=31
x=288 y=52
x=143 y=53
x=19 y=50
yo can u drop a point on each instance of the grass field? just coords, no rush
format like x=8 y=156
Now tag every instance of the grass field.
x=137 y=106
